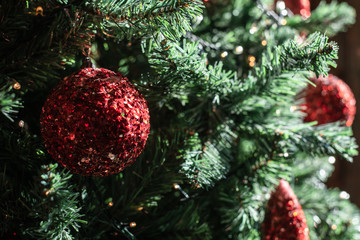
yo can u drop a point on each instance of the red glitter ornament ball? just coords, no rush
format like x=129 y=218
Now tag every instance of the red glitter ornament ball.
x=284 y=219
x=95 y=122
x=330 y=101
x=301 y=7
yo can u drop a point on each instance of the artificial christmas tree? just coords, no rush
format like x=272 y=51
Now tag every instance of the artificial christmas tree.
x=221 y=83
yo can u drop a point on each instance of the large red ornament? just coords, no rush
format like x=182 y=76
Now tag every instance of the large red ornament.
x=284 y=219
x=330 y=101
x=301 y=7
x=95 y=122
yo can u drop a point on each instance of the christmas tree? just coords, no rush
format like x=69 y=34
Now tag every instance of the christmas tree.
x=172 y=119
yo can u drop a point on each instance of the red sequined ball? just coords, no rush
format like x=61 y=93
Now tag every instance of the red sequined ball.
x=284 y=218
x=301 y=7
x=95 y=122
x=330 y=101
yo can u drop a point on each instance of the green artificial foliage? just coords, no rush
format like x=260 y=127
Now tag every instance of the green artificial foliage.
x=221 y=81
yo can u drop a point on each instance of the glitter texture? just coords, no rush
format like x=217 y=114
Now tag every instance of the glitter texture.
x=330 y=101
x=301 y=7
x=95 y=122
x=284 y=219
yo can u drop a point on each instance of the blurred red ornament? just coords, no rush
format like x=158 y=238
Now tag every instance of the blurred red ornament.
x=95 y=122
x=284 y=219
x=301 y=7
x=330 y=101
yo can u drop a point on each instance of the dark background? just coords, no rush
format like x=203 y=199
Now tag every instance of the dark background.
x=347 y=175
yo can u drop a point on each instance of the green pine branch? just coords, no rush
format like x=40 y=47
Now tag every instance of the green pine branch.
x=335 y=218
x=170 y=18
x=9 y=101
x=330 y=18
x=57 y=204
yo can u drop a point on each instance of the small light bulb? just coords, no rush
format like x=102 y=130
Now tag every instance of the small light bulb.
x=224 y=54
x=140 y=209
x=133 y=224
x=111 y=204
x=344 y=195
x=333 y=227
x=251 y=64
x=253 y=30
x=251 y=58
x=264 y=42
x=47 y=192
x=332 y=160
x=317 y=219
x=239 y=50
x=176 y=186
x=17 y=86
x=293 y=108
x=21 y=123
x=283 y=22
